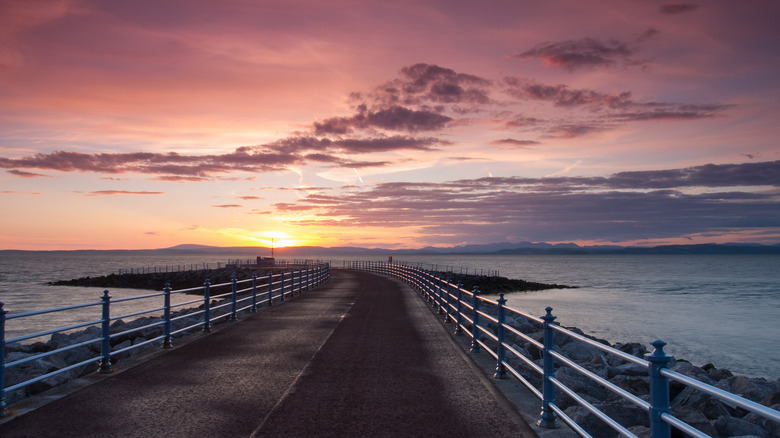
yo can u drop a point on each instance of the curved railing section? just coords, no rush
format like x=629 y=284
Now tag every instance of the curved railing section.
x=72 y=352
x=485 y=322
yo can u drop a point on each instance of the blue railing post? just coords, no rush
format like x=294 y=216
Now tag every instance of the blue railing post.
x=270 y=289
x=167 y=317
x=459 y=321
x=3 y=404
x=206 y=307
x=233 y=300
x=104 y=366
x=501 y=350
x=447 y=317
x=281 y=297
x=549 y=419
x=475 y=347
x=253 y=309
x=659 y=390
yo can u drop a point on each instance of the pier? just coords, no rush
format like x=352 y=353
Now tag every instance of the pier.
x=361 y=355
x=372 y=349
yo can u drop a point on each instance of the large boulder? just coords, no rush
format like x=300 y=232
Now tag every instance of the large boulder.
x=772 y=428
x=735 y=427
x=580 y=351
x=697 y=419
x=628 y=415
x=580 y=384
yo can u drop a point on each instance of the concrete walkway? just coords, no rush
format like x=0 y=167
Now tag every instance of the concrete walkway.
x=360 y=356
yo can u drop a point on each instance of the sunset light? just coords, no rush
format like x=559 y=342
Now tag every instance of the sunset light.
x=388 y=124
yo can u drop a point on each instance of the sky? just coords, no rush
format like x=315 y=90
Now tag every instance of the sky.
x=392 y=124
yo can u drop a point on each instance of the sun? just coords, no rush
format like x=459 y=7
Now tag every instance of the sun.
x=271 y=239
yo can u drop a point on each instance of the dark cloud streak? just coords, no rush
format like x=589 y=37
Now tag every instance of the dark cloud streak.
x=626 y=205
x=586 y=53
x=673 y=8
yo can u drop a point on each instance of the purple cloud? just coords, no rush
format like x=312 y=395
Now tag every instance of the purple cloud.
x=23 y=174
x=673 y=8
x=120 y=192
x=395 y=118
x=583 y=53
x=520 y=144
x=620 y=107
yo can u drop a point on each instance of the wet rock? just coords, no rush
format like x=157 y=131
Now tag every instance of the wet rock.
x=695 y=418
x=581 y=384
x=772 y=428
x=628 y=369
x=734 y=427
x=640 y=431
x=634 y=384
x=580 y=351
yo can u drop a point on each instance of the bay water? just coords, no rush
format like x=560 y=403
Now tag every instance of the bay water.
x=719 y=309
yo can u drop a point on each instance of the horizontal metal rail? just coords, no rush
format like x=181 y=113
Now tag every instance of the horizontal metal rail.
x=45 y=311
x=51 y=332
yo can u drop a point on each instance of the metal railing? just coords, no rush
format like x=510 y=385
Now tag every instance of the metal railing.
x=233 y=298
x=465 y=309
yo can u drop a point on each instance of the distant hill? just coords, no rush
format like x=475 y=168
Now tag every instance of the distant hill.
x=495 y=248
x=540 y=248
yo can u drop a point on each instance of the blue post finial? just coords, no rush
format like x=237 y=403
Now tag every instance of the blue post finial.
x=659 y=390
x=549 y=419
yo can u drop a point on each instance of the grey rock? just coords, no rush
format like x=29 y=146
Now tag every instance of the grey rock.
x=636 y=385
x=732 y=427
x=579 y=351
x=581 y=384
x=695 y=418
x=627 y=369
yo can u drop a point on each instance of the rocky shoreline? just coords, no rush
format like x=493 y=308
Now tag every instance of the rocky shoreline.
x=706 y=413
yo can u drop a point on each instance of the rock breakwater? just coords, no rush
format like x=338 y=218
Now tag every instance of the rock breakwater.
x=494 y=284
x=157 y=280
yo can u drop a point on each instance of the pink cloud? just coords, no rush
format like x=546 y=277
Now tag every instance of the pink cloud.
x=121 y=192
x=23 y=174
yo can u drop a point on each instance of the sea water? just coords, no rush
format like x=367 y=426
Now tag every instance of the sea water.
x=719 y=309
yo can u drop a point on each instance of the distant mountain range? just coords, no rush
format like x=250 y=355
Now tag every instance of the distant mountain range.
x=495 y=248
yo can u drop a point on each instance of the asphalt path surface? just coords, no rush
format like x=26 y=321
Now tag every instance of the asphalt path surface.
x=361 y=356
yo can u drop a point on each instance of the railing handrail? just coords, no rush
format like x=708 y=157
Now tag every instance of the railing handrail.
x=272 y=287
x=657 y=363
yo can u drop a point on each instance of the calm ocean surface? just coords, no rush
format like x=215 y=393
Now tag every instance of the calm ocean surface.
x=715 y=309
